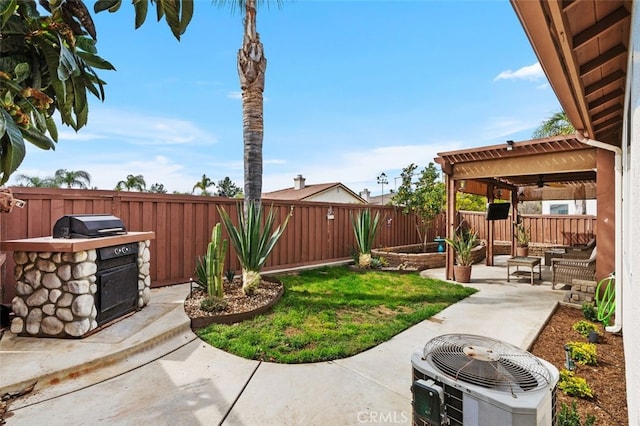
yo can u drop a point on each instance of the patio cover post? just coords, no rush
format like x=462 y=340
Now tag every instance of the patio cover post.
x=489 y=227
x=514 y=217
x=451 y=222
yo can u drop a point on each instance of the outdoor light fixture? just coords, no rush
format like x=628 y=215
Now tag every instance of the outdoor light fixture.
x=330 y=215
x=509 y=145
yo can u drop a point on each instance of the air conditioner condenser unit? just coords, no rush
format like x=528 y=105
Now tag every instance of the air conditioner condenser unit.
x=463 y=379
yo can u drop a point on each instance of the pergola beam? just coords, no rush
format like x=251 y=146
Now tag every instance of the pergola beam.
x=579 y=161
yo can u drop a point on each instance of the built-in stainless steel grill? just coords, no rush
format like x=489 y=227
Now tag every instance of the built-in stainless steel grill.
x=117 y=279
x=88 y=226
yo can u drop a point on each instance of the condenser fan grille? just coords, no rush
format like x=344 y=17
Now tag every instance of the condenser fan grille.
x=486 y=362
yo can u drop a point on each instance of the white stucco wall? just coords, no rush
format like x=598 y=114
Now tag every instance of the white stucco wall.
x=335 y=195
x=571 y=205
x=631 y=224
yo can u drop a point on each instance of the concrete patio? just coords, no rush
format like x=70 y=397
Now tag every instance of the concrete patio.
x=150 y=367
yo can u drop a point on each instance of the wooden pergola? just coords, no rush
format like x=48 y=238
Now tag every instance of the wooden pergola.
x=557 y=168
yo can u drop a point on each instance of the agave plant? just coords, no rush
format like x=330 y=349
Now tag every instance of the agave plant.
x=365 y=228
x=252 y=242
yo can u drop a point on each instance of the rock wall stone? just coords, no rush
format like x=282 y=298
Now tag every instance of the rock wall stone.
x=56 y=292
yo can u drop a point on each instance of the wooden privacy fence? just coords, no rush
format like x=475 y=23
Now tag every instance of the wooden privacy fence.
x=183 y=223
x=551 y=230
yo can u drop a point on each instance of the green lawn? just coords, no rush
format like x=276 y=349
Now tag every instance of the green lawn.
x=332 y=313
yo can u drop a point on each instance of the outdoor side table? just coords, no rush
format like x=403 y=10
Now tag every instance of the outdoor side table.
x=527 y=262
x=552 y=254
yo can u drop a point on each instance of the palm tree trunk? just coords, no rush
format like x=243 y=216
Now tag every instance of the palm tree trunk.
x=251 y=68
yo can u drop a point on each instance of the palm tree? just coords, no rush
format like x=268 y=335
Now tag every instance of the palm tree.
x=252 y=65
x=204 y=183
x=132 y=182
x=35 y=181
x=557 y=124
x=71 y=178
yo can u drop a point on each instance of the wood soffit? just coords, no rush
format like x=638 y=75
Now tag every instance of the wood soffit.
x=582 y=46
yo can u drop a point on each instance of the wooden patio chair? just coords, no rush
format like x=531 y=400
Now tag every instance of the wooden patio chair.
x=565 y=270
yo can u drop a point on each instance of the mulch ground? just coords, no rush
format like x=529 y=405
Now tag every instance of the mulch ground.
x=607 y=379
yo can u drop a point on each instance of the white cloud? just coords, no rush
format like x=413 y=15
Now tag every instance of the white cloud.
x=140 y=129
x=499 y=127
x=359 y=169
x=530 y=72
x=234 y=95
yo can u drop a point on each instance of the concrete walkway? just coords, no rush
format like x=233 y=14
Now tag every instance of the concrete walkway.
x=150 y=368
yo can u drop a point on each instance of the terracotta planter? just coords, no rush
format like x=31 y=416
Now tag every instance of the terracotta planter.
x=522 y=251
x=462 y=274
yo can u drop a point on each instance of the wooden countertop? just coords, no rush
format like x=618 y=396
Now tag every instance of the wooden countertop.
x=70 y=245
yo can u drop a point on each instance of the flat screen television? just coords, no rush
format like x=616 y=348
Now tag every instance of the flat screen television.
x=498 y=211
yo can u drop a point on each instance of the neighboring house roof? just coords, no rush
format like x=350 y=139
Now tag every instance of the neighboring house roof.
x=309 y=192
x=379 y=199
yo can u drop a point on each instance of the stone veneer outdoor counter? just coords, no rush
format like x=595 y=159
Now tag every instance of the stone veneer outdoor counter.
x=56 y=282
x=70 y=245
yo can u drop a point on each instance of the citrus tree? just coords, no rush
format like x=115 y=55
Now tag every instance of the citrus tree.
x=424 y=198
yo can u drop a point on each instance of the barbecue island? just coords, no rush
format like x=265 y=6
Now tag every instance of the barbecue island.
x=71 y=287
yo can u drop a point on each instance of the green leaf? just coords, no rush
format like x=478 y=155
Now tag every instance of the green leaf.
x=39 y=120
x=7 y=8
x=22 y=71
x=52 y=128
x=187 y=14
x=141 y=8
x=67 y=65
x=178 y=15
x=38 y=138
x=111 y=5
x=80 y=106
x=86 y=44
x=67 y=105
x=95 y=61
x=51 y=56
x=159 y=10
x=13 y=150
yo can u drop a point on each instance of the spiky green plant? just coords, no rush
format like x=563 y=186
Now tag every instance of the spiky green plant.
x=252 y=241
x=365 y=229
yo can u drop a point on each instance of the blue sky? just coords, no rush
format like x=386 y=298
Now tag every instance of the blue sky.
x=353 y=89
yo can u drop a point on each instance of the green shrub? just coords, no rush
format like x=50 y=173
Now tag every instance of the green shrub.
x=585 y=327
x=230 y=275
x=583 y=353
x=213 y=304
x=378 y=262
x=590 y=312
x=570 y=417
x=574 y=386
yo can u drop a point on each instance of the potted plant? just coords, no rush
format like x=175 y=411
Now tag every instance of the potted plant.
x=463 y=242
x=522 y=240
